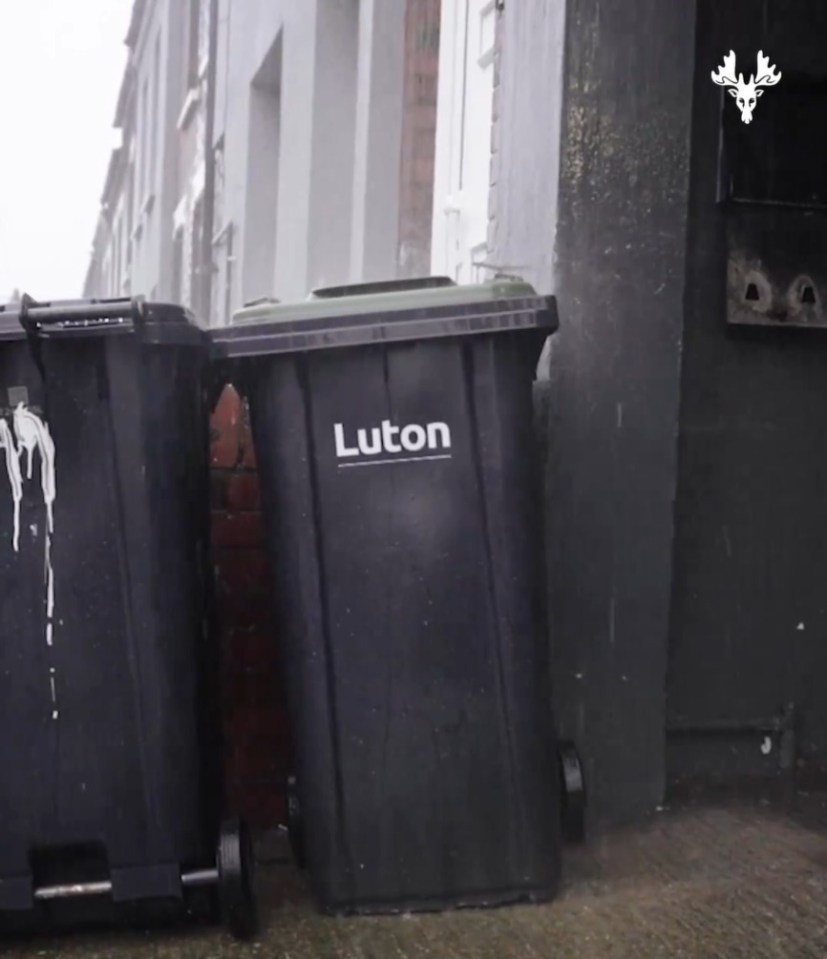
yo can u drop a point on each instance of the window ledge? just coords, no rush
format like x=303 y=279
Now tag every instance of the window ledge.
x=188 y=109
x=147 y=205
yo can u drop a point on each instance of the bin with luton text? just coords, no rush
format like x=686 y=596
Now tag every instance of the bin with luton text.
x=108 y=727
x=393 y=431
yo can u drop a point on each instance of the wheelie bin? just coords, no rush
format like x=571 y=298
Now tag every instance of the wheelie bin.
x=393 y=432
x=109 y=734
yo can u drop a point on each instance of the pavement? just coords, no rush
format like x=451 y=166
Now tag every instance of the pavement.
x=728 y=880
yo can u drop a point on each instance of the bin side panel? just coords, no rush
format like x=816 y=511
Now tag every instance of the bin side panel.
x=501 y=373
x=282 y=432
x=185 y=758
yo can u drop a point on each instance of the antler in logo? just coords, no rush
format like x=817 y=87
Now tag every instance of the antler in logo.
x=746 y=92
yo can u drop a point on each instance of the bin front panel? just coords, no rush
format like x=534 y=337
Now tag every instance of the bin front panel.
x=102 y=739
x=404 y=536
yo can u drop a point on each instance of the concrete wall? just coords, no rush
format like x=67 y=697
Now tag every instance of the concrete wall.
x=591 y=202
x=615 y=376
x=527 y=139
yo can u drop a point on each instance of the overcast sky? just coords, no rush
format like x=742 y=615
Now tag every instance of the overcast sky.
x=60 y=69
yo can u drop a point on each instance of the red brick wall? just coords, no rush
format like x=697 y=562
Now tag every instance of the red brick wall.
x=257 y=750
x=416 y=177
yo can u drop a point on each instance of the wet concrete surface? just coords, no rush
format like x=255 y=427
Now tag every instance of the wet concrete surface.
x=700 y=881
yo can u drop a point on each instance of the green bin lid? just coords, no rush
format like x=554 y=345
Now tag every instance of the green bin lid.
x=391 y=311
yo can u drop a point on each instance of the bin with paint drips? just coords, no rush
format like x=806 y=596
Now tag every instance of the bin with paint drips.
x=108 y=724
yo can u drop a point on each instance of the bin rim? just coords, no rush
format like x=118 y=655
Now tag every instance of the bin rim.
x=154 y=322
x=333 y=322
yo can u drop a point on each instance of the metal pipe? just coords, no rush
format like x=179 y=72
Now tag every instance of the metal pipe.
x=74 y=889
x=201 y=877
x=198 y=877
x=783 y=722
x=728 y=726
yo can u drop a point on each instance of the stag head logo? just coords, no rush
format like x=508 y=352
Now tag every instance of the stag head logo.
x=746 y=92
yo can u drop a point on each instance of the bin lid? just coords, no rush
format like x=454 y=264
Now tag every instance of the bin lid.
x=156 y=322
x=391 y=311
x=10 y=328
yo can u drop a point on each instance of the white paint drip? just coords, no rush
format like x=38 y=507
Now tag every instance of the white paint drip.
x=15 y=479
x=32 y=435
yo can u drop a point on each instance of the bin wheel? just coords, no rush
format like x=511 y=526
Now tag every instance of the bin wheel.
x=236 y=866
x=295 y=825
x=573 y=793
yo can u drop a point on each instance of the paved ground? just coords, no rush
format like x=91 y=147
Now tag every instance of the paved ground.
x=728 y=881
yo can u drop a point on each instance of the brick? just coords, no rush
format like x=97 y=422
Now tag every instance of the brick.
x=247 y=610
x=257 y=686
x=225 y=430
x=243 y=589
x=242 y=492
x=255 y=647
x=259 y=760
x=248 y=452
x=219 y=479
x=230 y=528
x=260 y=807
x=251 y=689
x=242 y=570
x=264 y=726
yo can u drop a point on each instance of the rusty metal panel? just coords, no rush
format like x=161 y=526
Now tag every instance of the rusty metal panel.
x=776 y=266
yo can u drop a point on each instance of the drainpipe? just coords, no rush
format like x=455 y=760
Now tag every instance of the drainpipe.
x=208 y=222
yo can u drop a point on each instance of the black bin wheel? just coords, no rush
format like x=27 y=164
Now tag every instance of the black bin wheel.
x=573 y=793
x=236 y=880
x=295 y=825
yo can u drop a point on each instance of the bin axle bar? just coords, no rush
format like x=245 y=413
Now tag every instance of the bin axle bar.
x=199 y=877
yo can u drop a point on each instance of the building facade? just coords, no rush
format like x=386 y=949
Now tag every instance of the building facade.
x=268 y=149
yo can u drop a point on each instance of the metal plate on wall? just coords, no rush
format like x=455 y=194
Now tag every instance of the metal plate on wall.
x=776 y=266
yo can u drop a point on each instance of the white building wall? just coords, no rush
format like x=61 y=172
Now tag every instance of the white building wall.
x=308 y=124
x=378 y=140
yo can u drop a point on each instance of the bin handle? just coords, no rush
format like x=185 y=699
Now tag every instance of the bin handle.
x=82 y=314
x=382 y=286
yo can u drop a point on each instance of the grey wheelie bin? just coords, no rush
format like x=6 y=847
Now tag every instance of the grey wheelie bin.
x=110 y=792
x=393 y=431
